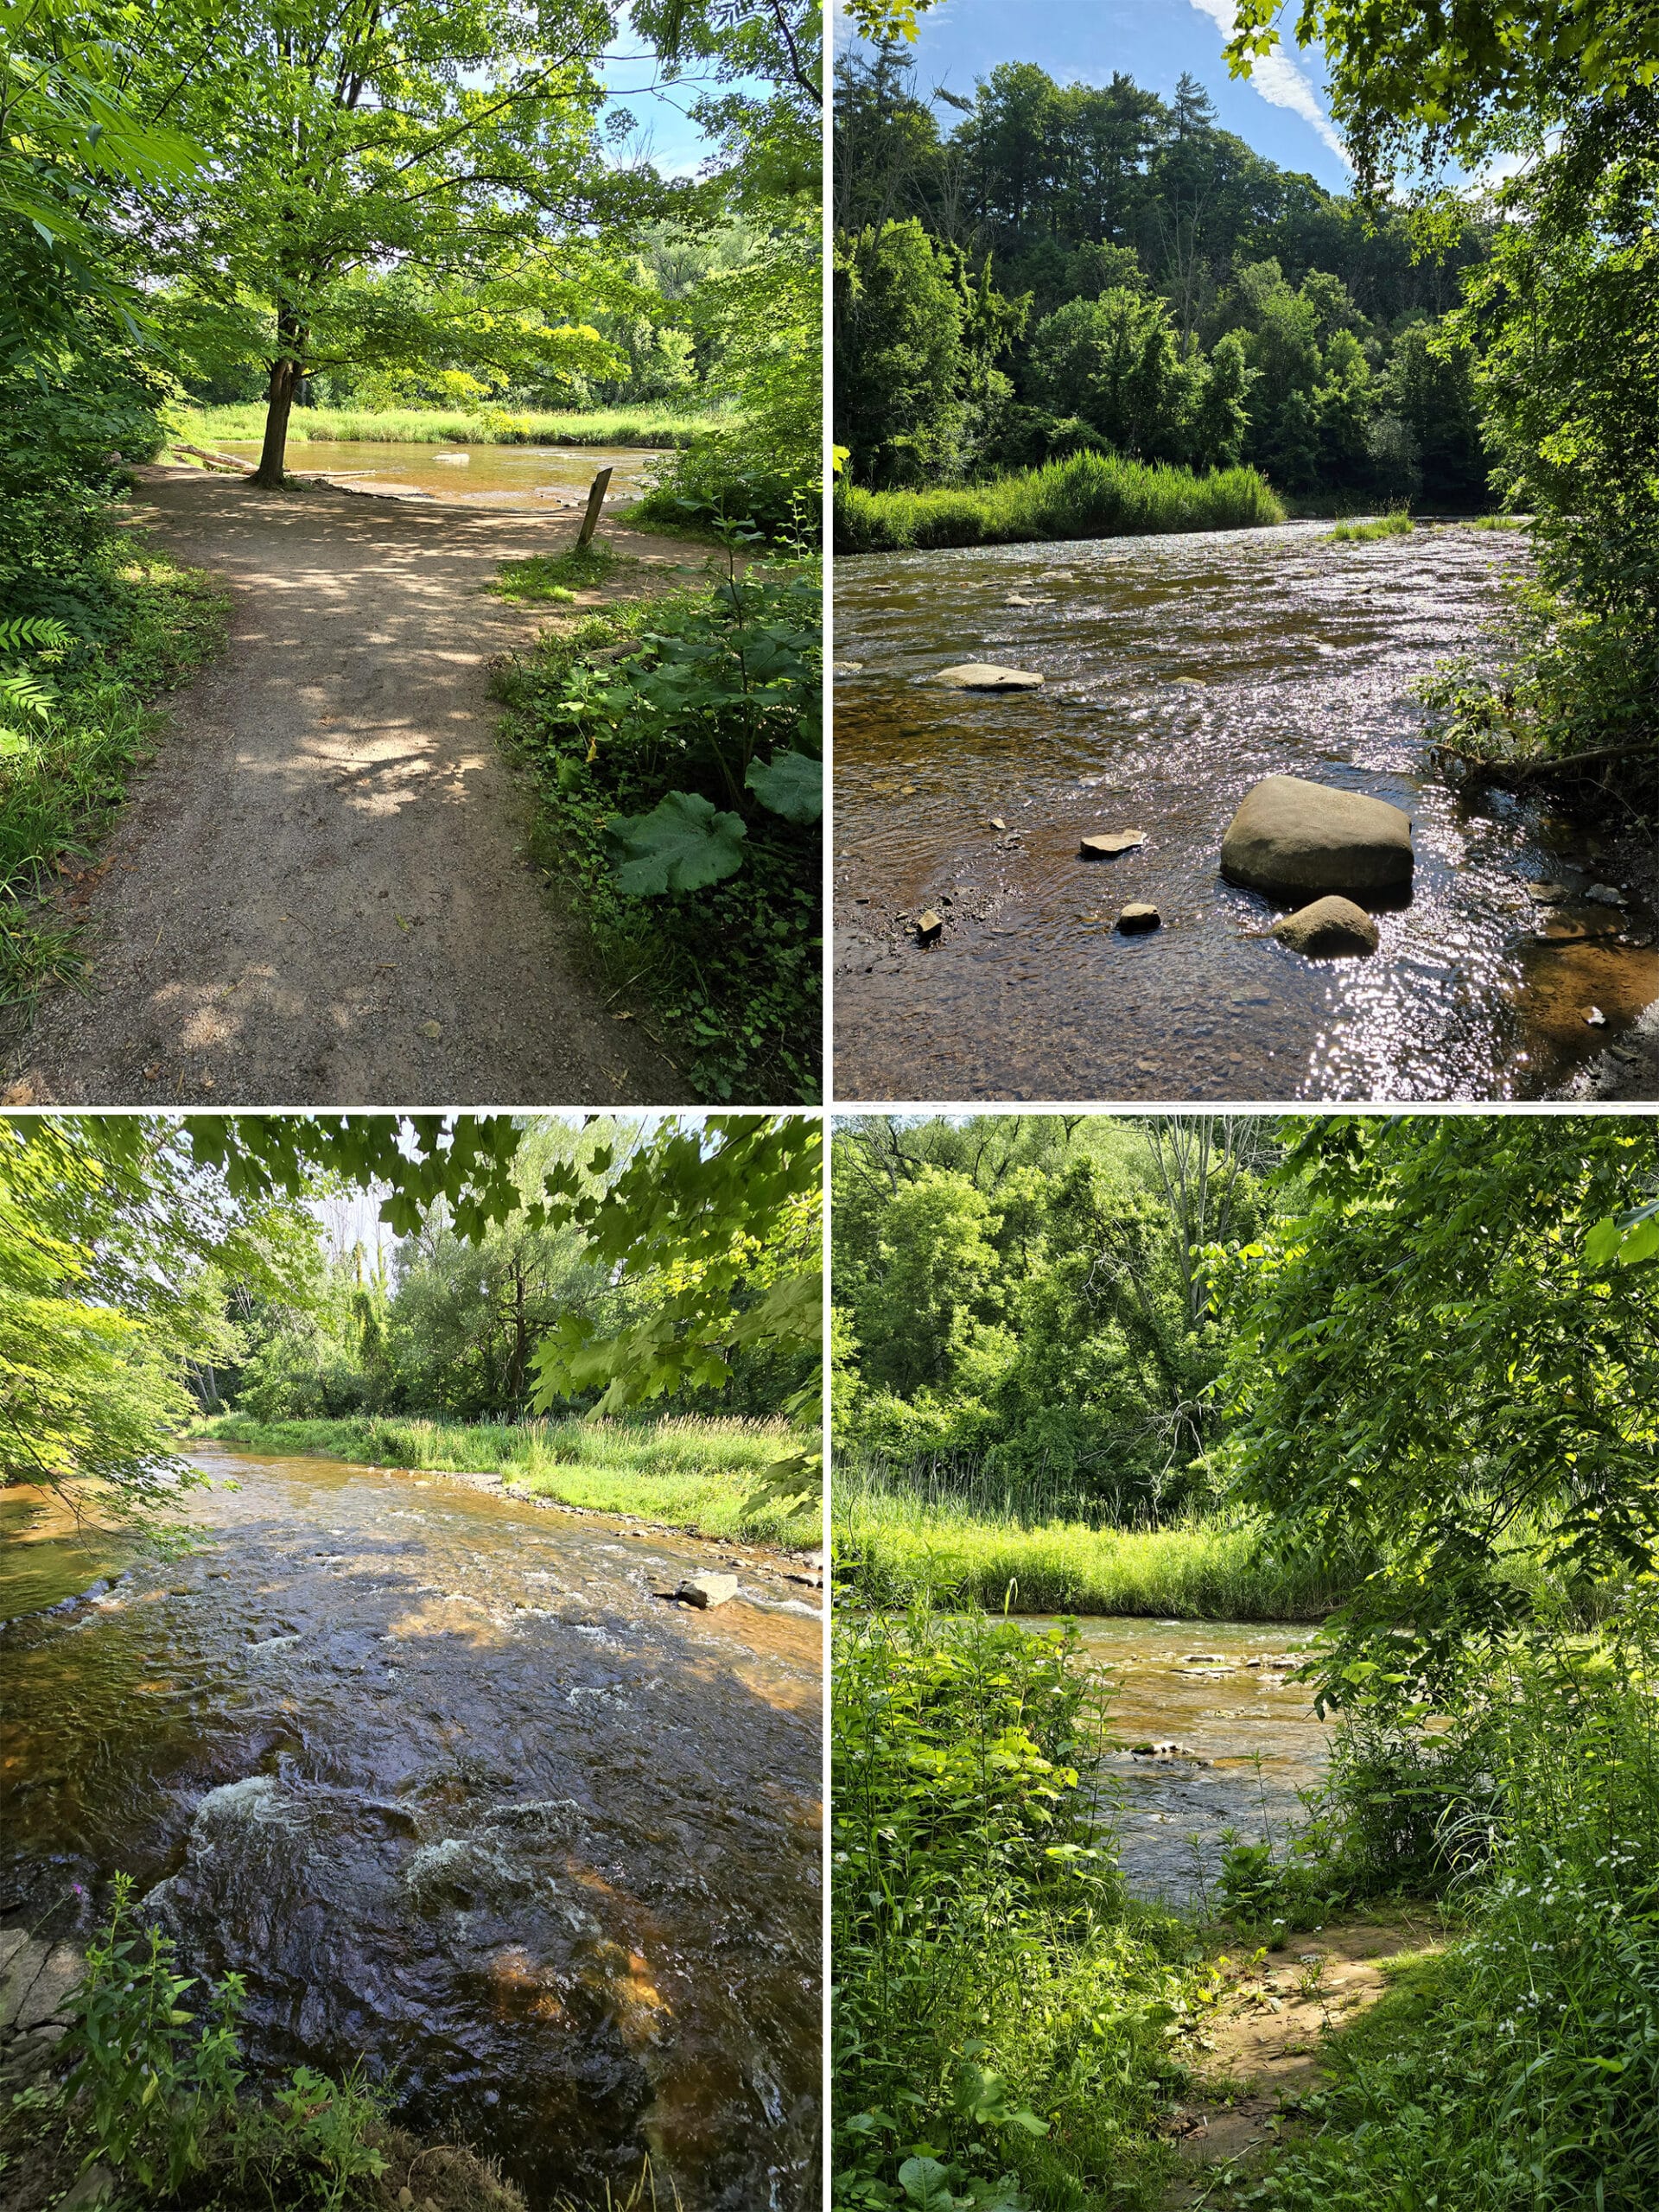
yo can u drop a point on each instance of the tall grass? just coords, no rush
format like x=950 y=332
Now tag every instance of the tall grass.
x=63 y=773
x=1090 y=495
x=893 y=1547
x=1396 y=524
x=692 y=1474
x=650 y=425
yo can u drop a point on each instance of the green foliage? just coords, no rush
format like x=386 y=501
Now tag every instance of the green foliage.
x=1092 y=495
x=646 y=727
x=1500 y=1414
x=156 y=2084
x=1002 y=2023
x=656 y=425
x=160 y=2081
x=1398 y=523
x=1519 y=2072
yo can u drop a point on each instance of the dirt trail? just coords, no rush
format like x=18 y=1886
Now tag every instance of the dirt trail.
x=1262 y=2047
x=318 y=893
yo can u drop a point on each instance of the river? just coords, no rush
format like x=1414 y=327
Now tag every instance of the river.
x=444 y=1779
x=478 y=475
x=1227 y=1741
x=1178 y=672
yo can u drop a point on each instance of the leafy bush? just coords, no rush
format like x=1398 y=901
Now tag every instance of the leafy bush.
x=1003 y=2021
x=677 y=741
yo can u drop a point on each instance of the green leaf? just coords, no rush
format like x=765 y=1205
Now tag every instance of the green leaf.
x=791 y=784
x=682 y=844
x=927 y=2184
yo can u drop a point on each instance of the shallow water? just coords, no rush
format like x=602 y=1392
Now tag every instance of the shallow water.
x=49 y=1553
x=1180 y=670
x=497 y=476
x=443 y=1779
x=1250 y=1743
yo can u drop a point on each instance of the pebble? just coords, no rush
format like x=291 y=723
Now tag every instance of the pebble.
x=928 y=927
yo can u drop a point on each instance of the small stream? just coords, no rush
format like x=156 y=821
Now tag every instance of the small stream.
x=455 y=1789
x=1178 y=672
x=478 y=475
x=1234 y=1742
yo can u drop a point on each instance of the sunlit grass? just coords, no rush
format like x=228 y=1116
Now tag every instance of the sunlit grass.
x=689 y=1473
x=1399 y=524
x=1090 y=495
x=650 y=425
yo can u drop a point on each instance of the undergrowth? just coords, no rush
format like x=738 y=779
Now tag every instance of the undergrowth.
x=675 y=743
x=1090 y=495
x=139 y=625
x=699 y=1474
x=1005 y=2020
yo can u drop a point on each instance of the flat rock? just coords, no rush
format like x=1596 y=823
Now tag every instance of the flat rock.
x=20 y=1978
x=1134 y=919
x=1109 y=842
x=1291 y=835
x=1331 y=929
x=985 y=676
x=705 y=1590
x=51 y=1987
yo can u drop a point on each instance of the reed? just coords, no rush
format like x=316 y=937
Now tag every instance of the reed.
x=1090 y=495
x=1396 y=525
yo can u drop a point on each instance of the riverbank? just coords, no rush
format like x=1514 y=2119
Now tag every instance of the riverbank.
x=650 y=425
x=64 y=769
x=891 y=1549
x=699 y=1476
x=1090 y=495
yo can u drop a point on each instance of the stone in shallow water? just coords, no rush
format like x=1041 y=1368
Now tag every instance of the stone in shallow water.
x=1291 y=835
x=1134 y=920
x=1109 y=842
x=928 y=927
x=1331 y=929
x=985 y=676
x=706 y=1590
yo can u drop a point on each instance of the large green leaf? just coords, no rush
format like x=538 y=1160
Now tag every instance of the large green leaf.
x=791 y=784
x=683 y=844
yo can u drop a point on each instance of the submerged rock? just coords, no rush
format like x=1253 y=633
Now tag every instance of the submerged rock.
x=1331 y=929
x=985 y=676
x=1291 y=835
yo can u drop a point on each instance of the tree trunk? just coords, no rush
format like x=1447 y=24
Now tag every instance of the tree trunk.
x=279 y=402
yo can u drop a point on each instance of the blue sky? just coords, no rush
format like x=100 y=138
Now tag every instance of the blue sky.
x=665 y=133
x=1282 y=112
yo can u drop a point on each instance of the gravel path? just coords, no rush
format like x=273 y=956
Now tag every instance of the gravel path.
x=318 y=893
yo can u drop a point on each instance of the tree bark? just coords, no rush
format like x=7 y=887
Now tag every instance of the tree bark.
x=279 y=403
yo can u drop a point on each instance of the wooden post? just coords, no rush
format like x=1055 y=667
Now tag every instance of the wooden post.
x=595 y=501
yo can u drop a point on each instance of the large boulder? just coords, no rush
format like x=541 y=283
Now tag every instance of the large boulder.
x=1331 y=929
x=1290 y=834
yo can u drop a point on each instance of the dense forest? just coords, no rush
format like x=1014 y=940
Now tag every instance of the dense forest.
x=1088 y=266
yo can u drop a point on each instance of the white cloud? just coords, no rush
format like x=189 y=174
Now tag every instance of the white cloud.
x=1278 y=80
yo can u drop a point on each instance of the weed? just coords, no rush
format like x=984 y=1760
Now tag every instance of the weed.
x=560 y=576
x=1398 y=523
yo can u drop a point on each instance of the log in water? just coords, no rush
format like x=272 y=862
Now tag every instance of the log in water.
x=1178 y=672
x=455 y=1789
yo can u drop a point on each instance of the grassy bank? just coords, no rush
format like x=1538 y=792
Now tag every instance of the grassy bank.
x=652 y=424
x=1398 y=523
x=145 y=625
x=691 y=1474
x=666 y=714
x=892 y=1549
x=1090 y=495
